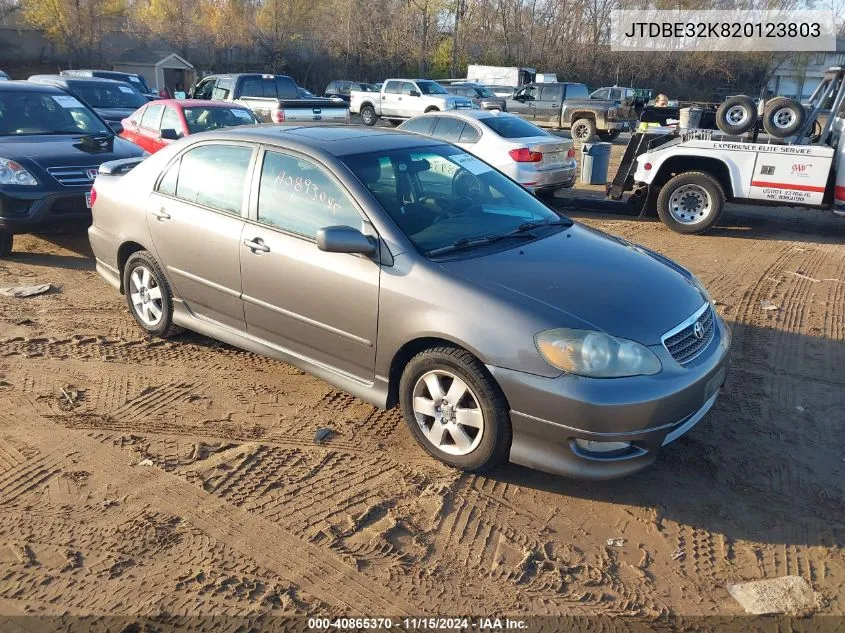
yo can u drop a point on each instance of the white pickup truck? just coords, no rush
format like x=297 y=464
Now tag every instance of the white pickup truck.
x=689 y=175
x=401 y=99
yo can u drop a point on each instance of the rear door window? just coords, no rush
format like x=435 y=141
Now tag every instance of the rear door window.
x=215 y=176
x=252 y=87
x=469 y=134
x=171 y=121
x=448 y=129
x=420 y=125
x=551 y=93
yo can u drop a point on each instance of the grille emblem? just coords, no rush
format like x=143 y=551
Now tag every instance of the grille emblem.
x=698 y=330
x=91 y=173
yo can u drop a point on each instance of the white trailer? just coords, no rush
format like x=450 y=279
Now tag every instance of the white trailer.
x=514 y=76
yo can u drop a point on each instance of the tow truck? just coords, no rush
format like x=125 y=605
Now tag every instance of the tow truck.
x=687 y=176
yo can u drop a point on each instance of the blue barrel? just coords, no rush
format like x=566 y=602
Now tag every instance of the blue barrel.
x=595 y=159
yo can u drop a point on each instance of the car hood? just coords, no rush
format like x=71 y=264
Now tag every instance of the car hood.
x=66 y=150
x=581 y=278
x=115 y=114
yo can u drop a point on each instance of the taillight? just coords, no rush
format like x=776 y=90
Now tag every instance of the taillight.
x=278 y=116
x=524 y=155
x=571 y=153
x=93 y=196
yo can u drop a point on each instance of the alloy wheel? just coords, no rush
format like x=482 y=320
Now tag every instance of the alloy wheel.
x=690 y=204
x=448 y=413
x=145 y=294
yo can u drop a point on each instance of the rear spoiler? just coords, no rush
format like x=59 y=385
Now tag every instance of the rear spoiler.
x=120 y=167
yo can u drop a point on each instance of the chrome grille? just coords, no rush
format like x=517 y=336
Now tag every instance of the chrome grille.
x=73 y=176
x=683 y=343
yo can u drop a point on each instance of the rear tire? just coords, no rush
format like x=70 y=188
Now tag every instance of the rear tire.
x=455 y=409
x=783 y=117
x=583 y=130
x=691 y=202
x=609 y=135
x=737 y=115
x=148 y=295
x=368 y=115
x=6 y=240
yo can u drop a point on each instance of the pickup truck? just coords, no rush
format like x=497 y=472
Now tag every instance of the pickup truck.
x=272 y=98
x=568 y=106
x=401 y=99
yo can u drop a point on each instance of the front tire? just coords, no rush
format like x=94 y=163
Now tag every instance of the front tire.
x=6 y=241
x=148 y=295
x=455 y=409
x=368 y=115
x=609 y=135
x=583 y=130
x=691 y=202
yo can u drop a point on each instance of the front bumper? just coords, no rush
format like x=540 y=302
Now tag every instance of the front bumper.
x=549 y=414
x=24 y=211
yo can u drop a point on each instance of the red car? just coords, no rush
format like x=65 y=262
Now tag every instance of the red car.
x=159 y=123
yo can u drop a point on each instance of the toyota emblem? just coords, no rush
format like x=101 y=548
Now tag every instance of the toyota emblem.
x=91 y=173
x=698 y=331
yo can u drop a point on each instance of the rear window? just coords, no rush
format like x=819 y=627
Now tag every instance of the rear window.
x=512 y=127
x=286 y=88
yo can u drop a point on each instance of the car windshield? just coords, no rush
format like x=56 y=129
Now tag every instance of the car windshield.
x=30 y=113
x=484 y=92
x=444 y=199
x=431 y=88
x=508 y=126
x=107 y=95
x=202 y=119
x=138 y=82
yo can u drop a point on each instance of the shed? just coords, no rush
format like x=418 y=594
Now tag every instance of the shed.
x=160 y=70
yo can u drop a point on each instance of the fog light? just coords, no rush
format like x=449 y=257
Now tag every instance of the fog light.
x=592 y=446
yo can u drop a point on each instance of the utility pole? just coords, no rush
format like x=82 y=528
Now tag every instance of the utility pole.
x=460 y=9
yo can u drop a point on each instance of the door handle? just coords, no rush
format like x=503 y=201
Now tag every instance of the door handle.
x=257 y=245
x=160 y=214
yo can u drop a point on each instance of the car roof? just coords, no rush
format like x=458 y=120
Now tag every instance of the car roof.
x=69 y=79
x=477 y=115
x=188 y=103
x=30 y=86
x=332 y=140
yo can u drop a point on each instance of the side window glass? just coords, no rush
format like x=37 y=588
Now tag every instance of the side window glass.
x=203 y=90
x=420 y=125
x=297 y=196
x=252 y=87
x=222 y=89
x=136 y=117
x=152 y=115
x=167 y=184
x=448 y=129
x=171 y=121
x=407 y=87
x=214 y=176
x=393 y=87
x=469 y=135
x=550 y=93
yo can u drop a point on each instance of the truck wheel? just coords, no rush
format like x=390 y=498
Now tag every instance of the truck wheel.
x=583 y=130
x=691 y=202
x=609 y=135
x=6 y=239
x=783 y=117
x=368 y=115
x=737 y=115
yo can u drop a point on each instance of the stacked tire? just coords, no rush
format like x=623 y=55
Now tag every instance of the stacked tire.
x=782 y=117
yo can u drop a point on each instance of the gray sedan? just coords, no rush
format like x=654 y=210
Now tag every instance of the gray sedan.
x=408 y=272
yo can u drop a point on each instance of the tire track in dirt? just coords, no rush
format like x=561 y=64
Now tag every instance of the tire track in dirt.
x=268 y=544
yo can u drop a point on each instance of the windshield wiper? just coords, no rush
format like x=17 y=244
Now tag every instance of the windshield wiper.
x=465 y=242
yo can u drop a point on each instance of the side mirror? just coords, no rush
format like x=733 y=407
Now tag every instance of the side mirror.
x=116 y=127
x=344 y=239
x=414 y=93
x=169 y=134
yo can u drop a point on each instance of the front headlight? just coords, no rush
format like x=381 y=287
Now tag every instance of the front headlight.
x=696 y=282
x=13 y=174
x=595 y=354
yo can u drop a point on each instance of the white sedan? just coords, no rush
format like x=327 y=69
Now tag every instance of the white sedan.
x=539 y=161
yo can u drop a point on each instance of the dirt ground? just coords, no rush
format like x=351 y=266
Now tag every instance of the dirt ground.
x=144 y=477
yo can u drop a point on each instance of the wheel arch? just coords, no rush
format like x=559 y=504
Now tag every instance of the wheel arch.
x=125 y=251
x=411 y=348
x=432 y=108
x=680 y=164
